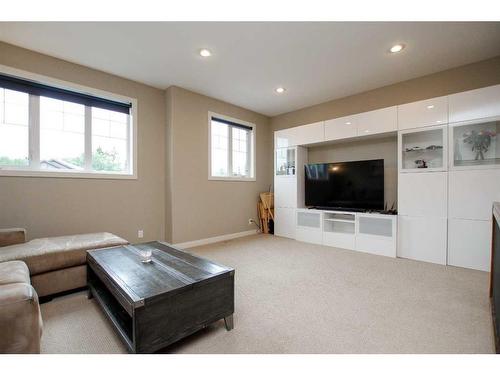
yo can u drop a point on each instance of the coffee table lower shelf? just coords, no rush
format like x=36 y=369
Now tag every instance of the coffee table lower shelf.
x=121 y=321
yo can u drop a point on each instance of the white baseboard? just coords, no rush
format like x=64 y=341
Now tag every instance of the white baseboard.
x=206 y=241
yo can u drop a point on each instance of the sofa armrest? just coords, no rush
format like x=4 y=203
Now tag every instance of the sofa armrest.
x=20 y=319
x=12 y=236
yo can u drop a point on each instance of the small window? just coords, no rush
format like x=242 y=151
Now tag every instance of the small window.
x=232 y=149
x=46 y=130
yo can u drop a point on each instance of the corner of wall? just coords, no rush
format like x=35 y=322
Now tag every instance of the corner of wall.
x=168 y=164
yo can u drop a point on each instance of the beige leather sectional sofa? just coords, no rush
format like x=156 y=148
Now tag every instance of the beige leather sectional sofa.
x=40 y=267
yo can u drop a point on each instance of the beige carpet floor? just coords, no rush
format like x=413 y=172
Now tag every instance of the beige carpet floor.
x=293 y=297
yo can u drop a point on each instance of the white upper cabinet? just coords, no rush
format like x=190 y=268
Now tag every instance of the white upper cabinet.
x=423 y=113
x=286 y=138
x=311 y=133
x=282 y=138
x=300 y=135
x=379 y=121
x=475 y=104
x=341 y=128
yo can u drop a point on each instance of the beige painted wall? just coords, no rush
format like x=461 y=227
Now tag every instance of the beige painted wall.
x=377 y=148
x=467 y=77
x=59 y=206
x=173 y=198
x=201 y=208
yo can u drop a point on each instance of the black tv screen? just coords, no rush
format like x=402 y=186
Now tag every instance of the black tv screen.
x=357 y=185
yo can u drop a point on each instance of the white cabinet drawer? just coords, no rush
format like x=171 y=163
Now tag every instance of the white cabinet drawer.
x=469 y=244
x=341 y=128
x=423 y=113
x=340 y=240
x=379 y=121
x=475 y=104
x=284 y=222
x=309 y=235
x=472 y=193
x=422 y=238
x=376 y=245
x=423 y=194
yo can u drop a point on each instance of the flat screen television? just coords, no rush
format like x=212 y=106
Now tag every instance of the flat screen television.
x=353 y=185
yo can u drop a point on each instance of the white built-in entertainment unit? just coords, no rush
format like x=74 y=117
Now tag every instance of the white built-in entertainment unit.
x=448 y=178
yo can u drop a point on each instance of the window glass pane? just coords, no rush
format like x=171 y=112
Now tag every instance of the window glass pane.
x=62 y=134
x=241 y=152
x=220 y=147
x=109 y=140
x=14 y=129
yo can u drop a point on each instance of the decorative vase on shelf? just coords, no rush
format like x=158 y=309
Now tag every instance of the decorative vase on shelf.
x=480 y=141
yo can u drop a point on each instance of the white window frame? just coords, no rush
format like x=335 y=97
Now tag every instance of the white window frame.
x=33 y=133
x=230 y=150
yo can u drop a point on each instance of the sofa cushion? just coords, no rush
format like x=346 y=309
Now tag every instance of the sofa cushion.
x=14 y=272
x=20 y=319
x=53 y=253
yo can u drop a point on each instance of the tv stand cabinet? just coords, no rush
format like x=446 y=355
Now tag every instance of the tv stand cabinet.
x=367 y=232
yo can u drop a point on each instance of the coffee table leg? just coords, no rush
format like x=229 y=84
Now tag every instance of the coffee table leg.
x=228 y=321
x=89 y=294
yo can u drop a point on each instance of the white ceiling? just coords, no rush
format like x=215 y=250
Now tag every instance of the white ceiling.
x=315 y=62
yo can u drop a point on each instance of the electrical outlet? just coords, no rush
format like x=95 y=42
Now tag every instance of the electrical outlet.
x=140 y=233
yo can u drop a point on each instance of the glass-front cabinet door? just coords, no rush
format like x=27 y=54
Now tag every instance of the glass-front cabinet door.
x=475 y=144
x=423 y=149
x=285 y=162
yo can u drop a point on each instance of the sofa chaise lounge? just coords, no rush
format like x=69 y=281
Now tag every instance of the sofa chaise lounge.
x=40 y=267
x=56 y=264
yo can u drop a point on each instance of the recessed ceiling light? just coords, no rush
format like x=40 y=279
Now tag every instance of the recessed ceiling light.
x=280 y=90
x=438 y=121
x=430 y=106
x=397 y=48
x=367 y=131
x=205 y=53
x=348 y=123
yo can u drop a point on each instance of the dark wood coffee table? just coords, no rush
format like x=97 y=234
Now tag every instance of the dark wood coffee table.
x=152 y=305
